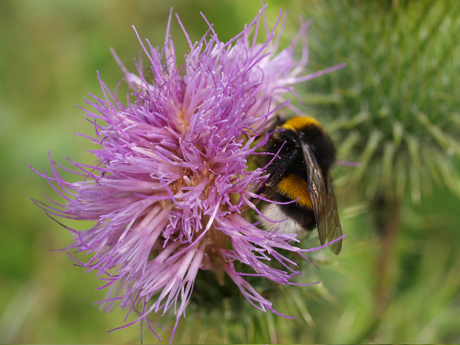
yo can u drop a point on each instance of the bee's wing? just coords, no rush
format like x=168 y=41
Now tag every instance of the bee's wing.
x=323 y=201
x=333 y=228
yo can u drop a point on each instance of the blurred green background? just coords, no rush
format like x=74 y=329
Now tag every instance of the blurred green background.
x=49 y=54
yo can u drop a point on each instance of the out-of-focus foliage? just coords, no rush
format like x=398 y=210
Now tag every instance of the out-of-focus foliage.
x=395 y=101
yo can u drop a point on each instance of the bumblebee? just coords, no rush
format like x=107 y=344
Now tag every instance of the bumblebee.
x=300 y=182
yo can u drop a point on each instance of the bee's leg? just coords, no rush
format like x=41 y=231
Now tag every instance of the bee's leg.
x=276 y=170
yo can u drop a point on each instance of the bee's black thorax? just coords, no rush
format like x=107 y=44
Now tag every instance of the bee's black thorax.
x=319 y=142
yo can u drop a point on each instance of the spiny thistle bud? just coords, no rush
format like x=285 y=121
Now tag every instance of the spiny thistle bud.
x=396 y=105
x=395 y=110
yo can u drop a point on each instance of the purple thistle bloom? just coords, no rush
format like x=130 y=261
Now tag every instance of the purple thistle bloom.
x=171 y=188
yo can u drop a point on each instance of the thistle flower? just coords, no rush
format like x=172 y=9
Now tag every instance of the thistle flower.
x=171 y=187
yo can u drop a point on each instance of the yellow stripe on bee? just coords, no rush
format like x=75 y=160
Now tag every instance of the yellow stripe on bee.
x=294 y=187
x=299 y=122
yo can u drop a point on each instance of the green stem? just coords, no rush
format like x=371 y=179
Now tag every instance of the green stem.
x=388 y=228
